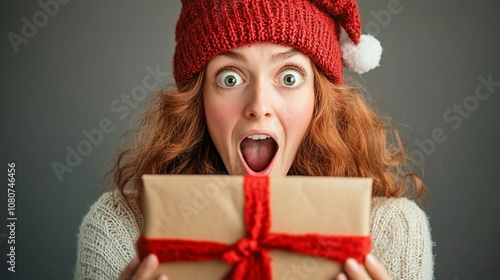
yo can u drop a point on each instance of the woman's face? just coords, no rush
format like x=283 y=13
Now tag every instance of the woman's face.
x=259 y=101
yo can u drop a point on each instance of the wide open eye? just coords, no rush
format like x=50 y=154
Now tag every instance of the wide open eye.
x=229 y=79
x=290 y=78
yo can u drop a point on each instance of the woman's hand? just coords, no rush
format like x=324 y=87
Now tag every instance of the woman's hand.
x=354 y=271
x=137 y=270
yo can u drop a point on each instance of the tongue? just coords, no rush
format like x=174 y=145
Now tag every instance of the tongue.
x=258 y=153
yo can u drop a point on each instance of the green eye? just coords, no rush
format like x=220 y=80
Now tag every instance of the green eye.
x=290 y=78
x=229 y=79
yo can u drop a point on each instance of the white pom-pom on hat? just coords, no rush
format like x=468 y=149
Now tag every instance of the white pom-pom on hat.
x=362 y=57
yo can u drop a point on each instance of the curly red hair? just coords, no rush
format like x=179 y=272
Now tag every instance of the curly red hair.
x=346 y=137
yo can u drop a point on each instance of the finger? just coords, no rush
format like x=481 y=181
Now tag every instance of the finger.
x=162 y=277
x=341 y=276
x=129 y=269
x=355 y=271
x=375 y=269
x=146 y=268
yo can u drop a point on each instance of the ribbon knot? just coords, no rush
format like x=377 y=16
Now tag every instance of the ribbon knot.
x=241 y=250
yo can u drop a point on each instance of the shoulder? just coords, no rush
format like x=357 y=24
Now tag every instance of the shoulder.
x=111 y=206
x=111 y=212
x=106 y=238
x=401 y=238
x=402 y=208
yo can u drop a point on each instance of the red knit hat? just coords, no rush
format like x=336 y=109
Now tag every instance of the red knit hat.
x=207 y=28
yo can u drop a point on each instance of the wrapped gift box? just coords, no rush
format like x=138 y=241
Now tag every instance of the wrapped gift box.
x=328 y=217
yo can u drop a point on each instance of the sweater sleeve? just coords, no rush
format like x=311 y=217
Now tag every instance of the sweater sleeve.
x=401 y=238
x=106 y=240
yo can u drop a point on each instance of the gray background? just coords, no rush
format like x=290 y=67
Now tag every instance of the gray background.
x=67 y=76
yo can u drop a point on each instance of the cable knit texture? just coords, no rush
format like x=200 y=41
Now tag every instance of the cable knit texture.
x=106 y=242
x=400 y=234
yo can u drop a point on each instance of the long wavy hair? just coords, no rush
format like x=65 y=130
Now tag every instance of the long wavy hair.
x=346 y=137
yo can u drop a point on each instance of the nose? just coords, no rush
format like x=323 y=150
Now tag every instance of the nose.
x=259 y=103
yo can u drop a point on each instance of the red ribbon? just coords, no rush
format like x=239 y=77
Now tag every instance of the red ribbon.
x=250 y=255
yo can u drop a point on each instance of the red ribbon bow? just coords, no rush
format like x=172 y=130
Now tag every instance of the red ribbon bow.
x=250 y=255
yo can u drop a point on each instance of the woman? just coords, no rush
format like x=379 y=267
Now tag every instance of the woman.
x=259 y=91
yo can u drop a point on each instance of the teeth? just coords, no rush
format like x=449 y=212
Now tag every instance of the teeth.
x=258 y=137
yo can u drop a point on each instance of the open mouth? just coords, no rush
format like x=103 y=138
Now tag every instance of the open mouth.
x=258 y=151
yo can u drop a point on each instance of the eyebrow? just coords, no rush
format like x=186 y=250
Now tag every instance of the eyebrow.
x=284 y=55
x=274 y=58
x=234 y=55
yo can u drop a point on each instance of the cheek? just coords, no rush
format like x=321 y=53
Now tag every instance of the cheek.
x=212 y=113
x=220 y=120
x=298 y=119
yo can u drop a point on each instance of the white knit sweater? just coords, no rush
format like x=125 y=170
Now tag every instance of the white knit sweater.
x=400 y=234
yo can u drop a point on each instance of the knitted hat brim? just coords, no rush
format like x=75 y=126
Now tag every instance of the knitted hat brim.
x=208 y=28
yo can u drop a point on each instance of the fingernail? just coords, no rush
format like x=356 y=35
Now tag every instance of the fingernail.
x=370 y=259
x=351 y=265
x=163 y=277
x=341 y=276
x=150 y=261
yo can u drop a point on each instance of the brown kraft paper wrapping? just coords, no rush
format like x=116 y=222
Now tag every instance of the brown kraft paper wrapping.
x=210 y=207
